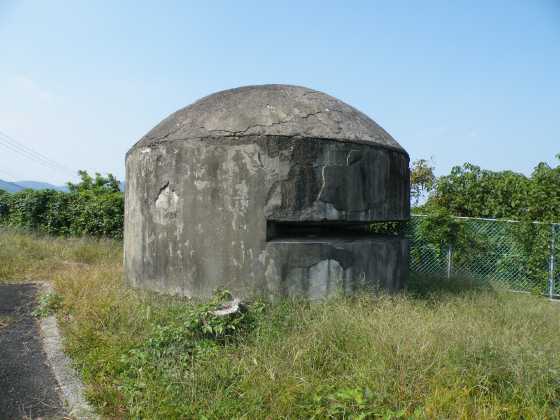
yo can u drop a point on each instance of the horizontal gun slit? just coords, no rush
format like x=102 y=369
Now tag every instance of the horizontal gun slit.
x=276 y=230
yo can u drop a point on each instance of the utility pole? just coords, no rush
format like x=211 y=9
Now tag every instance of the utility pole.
x=551 y=263
x=449 y=258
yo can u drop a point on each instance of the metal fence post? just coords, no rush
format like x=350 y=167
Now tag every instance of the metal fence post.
x=449 y=259
x=551 y=268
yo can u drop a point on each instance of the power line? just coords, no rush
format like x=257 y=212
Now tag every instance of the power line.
x=21 y=152
x=29 y=152
x=12 y=144
x=22 y=146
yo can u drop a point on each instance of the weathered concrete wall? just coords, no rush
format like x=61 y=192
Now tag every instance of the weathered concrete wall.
x=197 y=211
x=317 y=268
x=207 y=182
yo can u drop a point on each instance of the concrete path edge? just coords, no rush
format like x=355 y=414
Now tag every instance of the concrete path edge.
x=71 y=387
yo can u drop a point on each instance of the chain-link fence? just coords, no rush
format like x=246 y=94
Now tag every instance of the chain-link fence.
x=518 y=256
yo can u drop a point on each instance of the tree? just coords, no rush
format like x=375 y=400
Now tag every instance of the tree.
x=474 y=192
x=543 y=202
x=97 y=185
x=422 y=179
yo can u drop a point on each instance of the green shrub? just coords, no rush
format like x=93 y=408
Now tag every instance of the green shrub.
x=94 y=208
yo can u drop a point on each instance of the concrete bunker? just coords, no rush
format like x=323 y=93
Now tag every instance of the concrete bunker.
x=265 y=190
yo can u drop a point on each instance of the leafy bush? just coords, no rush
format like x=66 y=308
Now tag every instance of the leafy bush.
x=474 y=192
x=93 y=207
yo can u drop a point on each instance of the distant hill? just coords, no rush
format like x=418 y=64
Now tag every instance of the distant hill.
x=34 y=185
x=37 y=185
x=9 y=186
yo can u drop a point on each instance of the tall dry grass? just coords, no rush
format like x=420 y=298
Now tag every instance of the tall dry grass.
x=456 y=352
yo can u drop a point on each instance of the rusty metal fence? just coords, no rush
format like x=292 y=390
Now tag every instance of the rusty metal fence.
x=513 y=255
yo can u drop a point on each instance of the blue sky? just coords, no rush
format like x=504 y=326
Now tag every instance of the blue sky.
x=475 y=81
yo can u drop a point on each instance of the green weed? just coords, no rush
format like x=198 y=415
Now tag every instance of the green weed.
x=47 y=304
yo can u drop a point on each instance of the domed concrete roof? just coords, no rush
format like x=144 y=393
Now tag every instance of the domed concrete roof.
x=270 y=110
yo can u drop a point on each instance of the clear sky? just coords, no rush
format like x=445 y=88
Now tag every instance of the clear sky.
x=477 y=81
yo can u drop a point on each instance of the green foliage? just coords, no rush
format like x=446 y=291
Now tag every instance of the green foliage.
x=48 y=304
x=95 y=207
x=533 y=242
x=96 y=185
x=513 y=254
x=353 y=404
x=422 y=179
x=387 y=228
x=474 y=192
x=194 y=333
x=440 y=228
x=438 y=233
x=347 y=403
x=544 y=194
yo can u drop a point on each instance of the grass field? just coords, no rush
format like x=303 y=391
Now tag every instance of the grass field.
x=439 y=350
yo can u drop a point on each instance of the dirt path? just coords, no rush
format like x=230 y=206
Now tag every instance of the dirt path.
x=28 y=388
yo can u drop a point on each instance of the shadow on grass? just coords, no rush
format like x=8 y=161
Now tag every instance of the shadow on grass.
x=422 y=286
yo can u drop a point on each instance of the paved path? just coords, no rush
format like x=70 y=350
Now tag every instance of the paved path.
x=28 y=388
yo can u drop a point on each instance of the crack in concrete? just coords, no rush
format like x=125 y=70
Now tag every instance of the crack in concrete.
x=350 y=154
x=323 y=176
x=238 y=133
x=324 y=179
x=324 y=168
x=154 y=143
x=162 y=189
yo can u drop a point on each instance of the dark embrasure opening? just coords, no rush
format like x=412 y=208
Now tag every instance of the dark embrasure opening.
x=276 y=230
